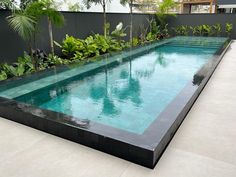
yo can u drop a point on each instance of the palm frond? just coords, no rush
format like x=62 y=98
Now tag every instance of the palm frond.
x=22 y=24
x=55 y=17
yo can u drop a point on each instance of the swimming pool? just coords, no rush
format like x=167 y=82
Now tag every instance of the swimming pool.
x=129 y=104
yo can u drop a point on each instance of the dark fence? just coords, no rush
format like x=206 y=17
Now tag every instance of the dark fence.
x=76 y=24
x=200 y=19
x=83 y=24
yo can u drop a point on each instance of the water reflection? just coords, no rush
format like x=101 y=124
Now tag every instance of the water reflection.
x=125 y=88
x=147 y=72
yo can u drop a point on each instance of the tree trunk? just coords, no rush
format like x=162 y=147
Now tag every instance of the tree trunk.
x=32 y=56
x=131 y=23
x=51 y=36
x=104 y=17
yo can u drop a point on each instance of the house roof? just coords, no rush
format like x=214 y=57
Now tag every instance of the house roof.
x=226 y=2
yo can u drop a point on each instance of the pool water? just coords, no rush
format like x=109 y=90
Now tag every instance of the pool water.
x=130 y=95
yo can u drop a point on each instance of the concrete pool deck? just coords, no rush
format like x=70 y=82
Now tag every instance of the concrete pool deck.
x=204 y=145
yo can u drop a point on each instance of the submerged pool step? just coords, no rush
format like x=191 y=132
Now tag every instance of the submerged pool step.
x=194 y=44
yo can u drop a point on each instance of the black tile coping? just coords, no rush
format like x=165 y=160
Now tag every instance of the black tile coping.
x=144 y=149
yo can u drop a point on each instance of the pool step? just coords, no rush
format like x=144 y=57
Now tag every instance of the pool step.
x=194 y=44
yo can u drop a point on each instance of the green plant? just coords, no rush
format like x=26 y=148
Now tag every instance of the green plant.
x=130 y=3
x=53 y=60
x=102 y=43
x=119 y=31
x=23 y=65
x=103 y=4
x=23 y=24
x=41 y=8
x=91 y=48
x=217 y=29
x=165 y=32
x=181 y=30
x=228 y=28
x=151 y=37
x=8 y=4
x=70 y=46
x=207 y=30
x=3 y=75
x=26 y=61
x=135 y=41
x=154 y=28
x=163 y=8
x=197 y=30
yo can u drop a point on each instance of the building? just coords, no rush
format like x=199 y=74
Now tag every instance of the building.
x=226 y=6
x=198 y=6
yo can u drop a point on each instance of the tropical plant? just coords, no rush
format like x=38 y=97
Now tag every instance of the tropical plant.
x=23 y=24
x=207 y=30
x=228 y=28
x=217 y=29
x=103 y=4
x=41 y=8
x=8 y=4
x=70 y=46
x=23 y=65
x=54 y=17
x=130 y=3
x=51 y=61
x=197 y=30
x=135 y=41
x=3 y=75
x=151 y=37
x=163 y=8
x=181 y=30
x=26 y=60
x=119 y=31
x=74 y=7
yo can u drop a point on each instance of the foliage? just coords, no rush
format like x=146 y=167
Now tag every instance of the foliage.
x=130 y=3
x=8 y=4
x=203 y=30
x=181 y=30
x=163 y=8
x=151 y=37
x=92 y=46
x=135 y=41
x=3 y=75
x=23 y=24
x=228 y=28
x=51 y=61
x=74 y=7
x=23 y=65
x=119 y=31
x=207 y=30
x=103 y=4
x=217 y=29
x=70 y=45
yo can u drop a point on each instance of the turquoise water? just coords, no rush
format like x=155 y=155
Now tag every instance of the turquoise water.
x=128 y=96
x=132 y=95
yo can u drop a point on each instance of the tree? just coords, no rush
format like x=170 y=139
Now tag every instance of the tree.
x=103 y=4
x=8 y=4
x=41 y=8
x=23 y=24
x=163 y=8
x=130 y=3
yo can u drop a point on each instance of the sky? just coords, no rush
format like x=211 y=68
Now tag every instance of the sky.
x=113 y=6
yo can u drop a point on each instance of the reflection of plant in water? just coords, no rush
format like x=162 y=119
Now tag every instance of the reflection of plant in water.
x=161 y=60
x=146 y=73
x=101 y=92
x=130 y=90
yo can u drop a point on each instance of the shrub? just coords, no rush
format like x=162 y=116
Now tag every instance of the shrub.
x=228 y=28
